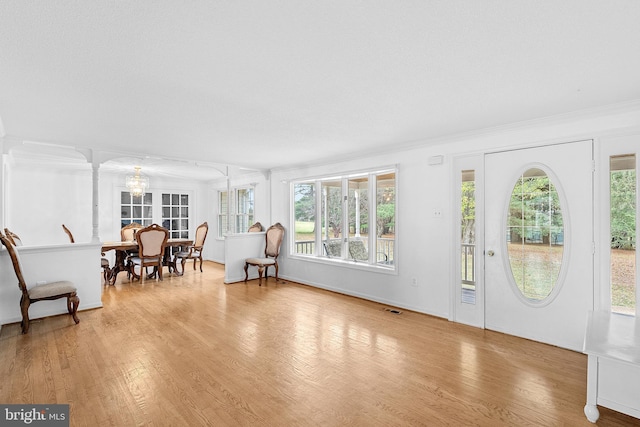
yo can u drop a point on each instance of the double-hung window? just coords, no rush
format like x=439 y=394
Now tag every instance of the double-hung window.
x=347 y=218
x=236 y=210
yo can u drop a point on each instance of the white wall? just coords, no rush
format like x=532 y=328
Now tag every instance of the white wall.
x=40 y=200
x=424 y=243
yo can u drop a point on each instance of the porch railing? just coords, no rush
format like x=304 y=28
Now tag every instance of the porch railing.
x=385 y=249
x=468 y=263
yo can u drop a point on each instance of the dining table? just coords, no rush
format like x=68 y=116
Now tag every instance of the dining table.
x=123 y=248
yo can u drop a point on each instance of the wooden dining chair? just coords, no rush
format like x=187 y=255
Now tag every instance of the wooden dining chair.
x=104 y=263
x=194 y=251
x=151 y=245
x=47 y=291
x=274 y=236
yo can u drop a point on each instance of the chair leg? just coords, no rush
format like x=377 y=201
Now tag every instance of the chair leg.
x=159 y=270
x=175 y=266
x=24 y=307
x=73 y=301
x=246 y=272
x=194 y=262
x=260 y=270
x=276 y=266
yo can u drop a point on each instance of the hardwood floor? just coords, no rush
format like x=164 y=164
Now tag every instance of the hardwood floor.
x=192 y=351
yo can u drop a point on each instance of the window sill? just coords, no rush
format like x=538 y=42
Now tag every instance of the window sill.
x=342 y=263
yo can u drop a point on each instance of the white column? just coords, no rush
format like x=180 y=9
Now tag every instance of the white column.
x=95 y=236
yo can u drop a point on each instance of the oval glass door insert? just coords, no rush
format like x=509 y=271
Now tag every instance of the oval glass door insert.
x=535 y=235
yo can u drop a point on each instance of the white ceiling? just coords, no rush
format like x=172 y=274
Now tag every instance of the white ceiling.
x=266 y=84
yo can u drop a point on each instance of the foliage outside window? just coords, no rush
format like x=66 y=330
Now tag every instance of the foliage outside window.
x=304 y=207
x=468 y=236
x=623 y=194
x=336 y=219
x=535 y=234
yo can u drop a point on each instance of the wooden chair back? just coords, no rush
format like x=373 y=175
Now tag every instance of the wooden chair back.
x=201 y=235
x=66 y=230
x=255 y=228
x=129 y=231
x=151 y=241
x=17 y=265
x=13 y=237
x=274 y=237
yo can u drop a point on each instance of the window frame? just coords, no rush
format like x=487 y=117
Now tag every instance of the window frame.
x=180 y=232
x=144 y=205
x=231 y=212
x=318 y=254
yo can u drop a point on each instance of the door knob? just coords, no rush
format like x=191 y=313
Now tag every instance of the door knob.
x=490 y=253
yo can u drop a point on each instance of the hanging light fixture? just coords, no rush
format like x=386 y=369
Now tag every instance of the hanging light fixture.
x=137 y=184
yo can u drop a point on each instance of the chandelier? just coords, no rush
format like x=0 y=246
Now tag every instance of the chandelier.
x=137 y=184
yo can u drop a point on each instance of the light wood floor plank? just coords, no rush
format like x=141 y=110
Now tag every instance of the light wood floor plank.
x=193 y=351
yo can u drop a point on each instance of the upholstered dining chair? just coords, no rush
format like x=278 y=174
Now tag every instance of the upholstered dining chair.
x=194 y=251
x=48 y=291
x=255 y=228
x=13 y=237
x=151 y=242
x=273 y=241
x=104 y=263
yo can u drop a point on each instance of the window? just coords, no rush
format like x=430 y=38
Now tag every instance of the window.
x=385 y=217
x=332 y=217
x=623 y=194
x=468 y=236
x=136 y=209
x=304 y=201
x=244 y=209
x=535 y=231
x=237 y=212
x=223 y=213
x=175 y=215
x=336 y=218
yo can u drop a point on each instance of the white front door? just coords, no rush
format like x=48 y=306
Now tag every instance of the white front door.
x=539 y=242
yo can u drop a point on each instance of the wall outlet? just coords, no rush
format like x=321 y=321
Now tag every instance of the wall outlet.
x=414 y=282
x=437 y=213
